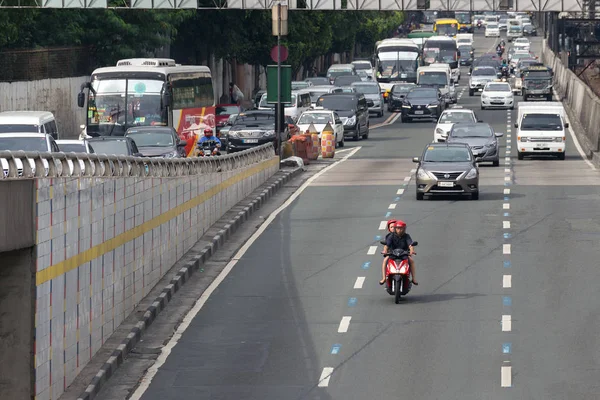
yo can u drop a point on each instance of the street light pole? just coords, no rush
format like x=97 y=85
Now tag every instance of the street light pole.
x=278 y=113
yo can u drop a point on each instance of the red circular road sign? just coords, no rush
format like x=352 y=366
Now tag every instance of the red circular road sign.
x=284 y=53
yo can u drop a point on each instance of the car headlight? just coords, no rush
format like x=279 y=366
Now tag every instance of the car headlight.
x=559 y=139
x=406 y=105
x=422 y=174
x=432 y=105
x=440 y=131
x=233 y=134
x=523 y=138
x=269 y=133
x=491 y=145
x=172 y=154
x=351 y=120
x=472 y=174
x=484 y=96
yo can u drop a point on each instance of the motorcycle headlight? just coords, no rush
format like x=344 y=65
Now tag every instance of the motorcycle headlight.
x=472 y=174
x=351 y=120
x=422 y=174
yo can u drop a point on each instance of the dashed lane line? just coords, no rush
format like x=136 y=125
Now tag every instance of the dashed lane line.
x=344 y=324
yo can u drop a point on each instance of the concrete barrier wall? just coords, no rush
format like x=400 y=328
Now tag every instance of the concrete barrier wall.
x=104 y=240
x=577 y=96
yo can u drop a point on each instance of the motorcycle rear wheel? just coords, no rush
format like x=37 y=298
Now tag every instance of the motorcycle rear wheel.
x=398 y=294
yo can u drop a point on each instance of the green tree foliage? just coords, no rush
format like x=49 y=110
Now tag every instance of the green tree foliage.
x=240 y=35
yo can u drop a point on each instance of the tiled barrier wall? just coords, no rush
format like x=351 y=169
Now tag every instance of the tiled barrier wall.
x=580 y=99
x=104 y=242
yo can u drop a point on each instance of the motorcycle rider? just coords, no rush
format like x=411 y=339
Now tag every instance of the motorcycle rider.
x=398 y=239
x=504 y=67
x=209 y=136
x=499 y=49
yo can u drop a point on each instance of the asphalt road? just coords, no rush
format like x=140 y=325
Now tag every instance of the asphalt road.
x=507 y=294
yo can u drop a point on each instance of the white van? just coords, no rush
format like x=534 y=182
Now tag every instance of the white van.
x=340 y=70
x=541 y=129
x=300 y=102
x=448 y=90
x=28 y=121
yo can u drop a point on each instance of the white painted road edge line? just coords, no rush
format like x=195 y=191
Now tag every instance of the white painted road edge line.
x=189 y=317
x=506 y=323
x=407 y=179
x=325 y=376
x=506 y=224
x=506 y=249
x=392 y=206
x=506 y=206
x=344 y=324
x=506 y=191
x=506 y=377
x=372 y=250
x=359 y=282
x=507 y=281
x=400 y=191
x=382 y=225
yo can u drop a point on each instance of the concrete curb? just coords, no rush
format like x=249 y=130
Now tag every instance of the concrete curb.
x=120 y=353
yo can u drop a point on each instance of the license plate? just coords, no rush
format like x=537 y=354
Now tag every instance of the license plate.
x=250 y=140
x=541 y=145
x=446 y=184
x=418 y=112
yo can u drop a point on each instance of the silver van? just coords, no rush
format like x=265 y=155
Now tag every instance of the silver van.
x=340 y=70
x=28 y=121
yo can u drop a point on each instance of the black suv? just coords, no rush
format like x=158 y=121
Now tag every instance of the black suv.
x=353 y=109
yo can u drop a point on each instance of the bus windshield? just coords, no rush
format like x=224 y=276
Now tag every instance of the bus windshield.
x=124 y=103
x=435 y=54
x=447 y=29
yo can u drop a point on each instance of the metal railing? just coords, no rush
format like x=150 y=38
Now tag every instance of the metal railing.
x=27 y=165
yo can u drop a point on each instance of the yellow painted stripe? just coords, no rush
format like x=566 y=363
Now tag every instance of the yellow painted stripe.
x=109 y=245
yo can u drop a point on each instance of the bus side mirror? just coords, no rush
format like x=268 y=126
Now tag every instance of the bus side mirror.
x=80 y=99
x=166 y=99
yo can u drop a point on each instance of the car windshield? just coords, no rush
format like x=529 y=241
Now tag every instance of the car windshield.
x=362 y=65
x=516 y=56
x=300 y=85
x=315 y=94
x=455 y=117
x=539 y=122
x=433 y=78
x=315 y=118
x=447 y=29
x=23 y=143
x=401 y=89
x=16 y=128
x=253 y=120
x=471 y=131
x=317 y=80
x=111 y=147
x=492 y=26
x=538 y=74
x=367 y=89
x=464 y=50
x=151 y=139
x=72 y=147
x=447 y=154
x=347 y=80
x=333 y=73
x=484 y=72
x=337 y=103
x=422 y=94
x=263 y=102
x=498 y=87
x=226 y=110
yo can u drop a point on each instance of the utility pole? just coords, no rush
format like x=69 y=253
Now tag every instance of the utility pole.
x=280 y=28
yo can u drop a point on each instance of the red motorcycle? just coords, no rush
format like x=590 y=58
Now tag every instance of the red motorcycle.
x=397 y=273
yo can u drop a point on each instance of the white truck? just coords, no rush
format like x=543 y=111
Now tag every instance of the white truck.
x=514 y=29
x=438 y=75
x=541 y=129
x=463 y=39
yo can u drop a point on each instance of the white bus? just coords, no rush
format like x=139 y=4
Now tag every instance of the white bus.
x=396 y=60
x=150 y=92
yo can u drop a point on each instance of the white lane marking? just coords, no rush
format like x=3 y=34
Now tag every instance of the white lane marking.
x=506 y=248
x=506 y=323
x=372 y=250
x=392 y=206
x=506 y=206
x=344 y=324
x=508 y=140
x=506 y=169
x=508 y=135
x=506 y=224
x=506 y=191
x=407 y=179
x=506 y=377
x=400 y=191
x=507 y=178
x=412 y=171
x=189 y=317
x=576 y=141
x=507 y=281
x=325 y=376
x=382 y=225
x=359 y=282
x=398 y=115
x=507 y=151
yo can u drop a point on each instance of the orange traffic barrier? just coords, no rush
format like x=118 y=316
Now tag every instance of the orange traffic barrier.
x=327 y=142
x=287 y=149
x=313 y=151
x=301 y=149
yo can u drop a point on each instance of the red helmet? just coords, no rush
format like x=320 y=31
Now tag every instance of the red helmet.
x=208 y=132
x=401 y=224
x=390 y=224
